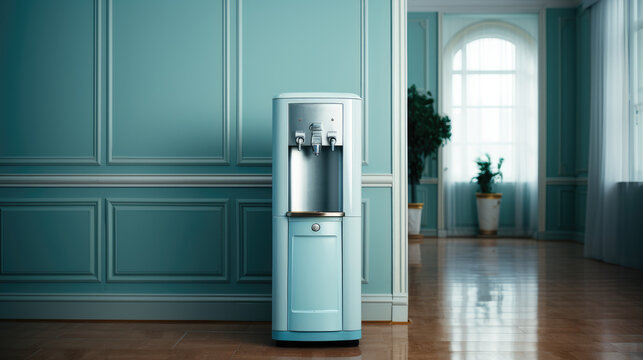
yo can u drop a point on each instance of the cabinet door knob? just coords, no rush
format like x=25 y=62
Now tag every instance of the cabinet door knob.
x=315 y=227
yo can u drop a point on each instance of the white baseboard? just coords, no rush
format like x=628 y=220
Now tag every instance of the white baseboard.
x=377 y=307
x=400 y=311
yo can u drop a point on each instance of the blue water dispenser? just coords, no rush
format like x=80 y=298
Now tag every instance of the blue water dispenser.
x=316 y=209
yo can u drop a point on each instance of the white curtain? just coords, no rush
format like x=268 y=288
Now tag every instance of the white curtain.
x=490 y=87
x=615 y=202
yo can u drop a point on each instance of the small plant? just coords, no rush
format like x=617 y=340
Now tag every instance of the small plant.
x=486 y=177
x=427 y=131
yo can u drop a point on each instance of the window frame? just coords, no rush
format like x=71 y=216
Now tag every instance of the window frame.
x=501 y=30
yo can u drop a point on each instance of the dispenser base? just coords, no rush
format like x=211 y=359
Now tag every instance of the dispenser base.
x=310 y=336
x=316 y=344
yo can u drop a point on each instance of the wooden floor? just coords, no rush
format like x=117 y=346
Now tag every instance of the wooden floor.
x=470 y=299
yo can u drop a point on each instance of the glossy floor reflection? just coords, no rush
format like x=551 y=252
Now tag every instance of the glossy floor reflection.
x=470 y=299
x=522 y=299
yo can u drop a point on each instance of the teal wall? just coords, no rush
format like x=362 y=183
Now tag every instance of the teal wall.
x=567 y=95
x=134 y=87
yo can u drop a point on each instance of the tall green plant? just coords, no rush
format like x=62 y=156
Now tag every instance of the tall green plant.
x=486 y=176
x=427 y=131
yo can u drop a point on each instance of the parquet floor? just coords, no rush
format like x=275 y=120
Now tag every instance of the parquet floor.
x=470 y=299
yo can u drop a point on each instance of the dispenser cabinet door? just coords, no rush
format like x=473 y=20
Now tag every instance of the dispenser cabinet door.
x=315 y=274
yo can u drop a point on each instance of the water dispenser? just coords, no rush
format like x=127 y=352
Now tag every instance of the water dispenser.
x=317 y=226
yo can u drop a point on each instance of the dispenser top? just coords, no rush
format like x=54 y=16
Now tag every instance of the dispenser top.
x=312 y=95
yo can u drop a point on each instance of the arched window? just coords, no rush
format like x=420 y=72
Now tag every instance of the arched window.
x=490 y=82
x=490 y=91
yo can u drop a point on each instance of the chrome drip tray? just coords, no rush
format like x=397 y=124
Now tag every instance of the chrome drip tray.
x=315 y=213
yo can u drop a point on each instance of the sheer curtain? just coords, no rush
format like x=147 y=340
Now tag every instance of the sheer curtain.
x=490 y=87
x=615 y=201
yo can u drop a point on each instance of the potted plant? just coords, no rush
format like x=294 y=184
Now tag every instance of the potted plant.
x=487 y=201
x=427 y=131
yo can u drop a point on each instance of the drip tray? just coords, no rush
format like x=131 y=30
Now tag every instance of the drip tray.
x=315 y=213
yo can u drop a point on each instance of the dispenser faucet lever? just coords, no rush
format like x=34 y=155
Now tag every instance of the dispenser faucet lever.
x=316 y=141
x=332 y=139
x=300 y=137
x=316 y=138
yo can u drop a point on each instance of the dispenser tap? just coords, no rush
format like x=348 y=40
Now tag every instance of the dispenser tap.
x=316 y=138
x=316 y=141
x=300 y=137
x=332 y=139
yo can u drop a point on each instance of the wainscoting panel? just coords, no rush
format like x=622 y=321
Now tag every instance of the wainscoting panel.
x=167 y=240
x=378 y=241
x=581 y=207
x=561 y=92
x=422 y=39
x=561 y=207
x=49 y=98
x=167 y=84
x=428 y=194
x=164 y=248
x=417 y=39
x=255 y=241
x=565 y=211
x=50 y=240
x=583 y=57
x=378 y=69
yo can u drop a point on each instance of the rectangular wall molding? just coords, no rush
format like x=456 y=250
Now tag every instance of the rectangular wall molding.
x=153 y=246
x=565 y=169
x=27 y=253
x=94 y=159
x=423 y=24
x=567 y=203
x=246 y=230
x=225 y=113
x=566 y=210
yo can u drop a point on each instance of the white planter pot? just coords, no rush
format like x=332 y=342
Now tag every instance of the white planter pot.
x=415 y=219
x=488 y=212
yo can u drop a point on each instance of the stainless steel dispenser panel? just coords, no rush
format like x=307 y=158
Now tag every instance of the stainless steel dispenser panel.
x=302 y=116
x=315 y=181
